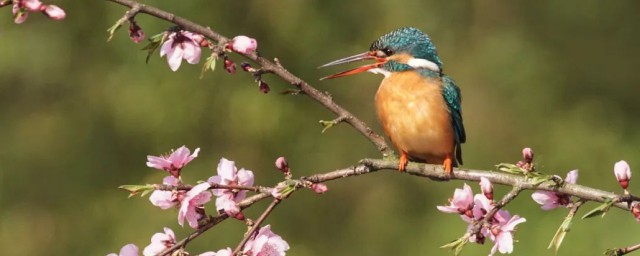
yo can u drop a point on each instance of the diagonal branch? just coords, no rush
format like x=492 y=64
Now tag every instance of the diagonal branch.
x=256 y=225
x=275 y=68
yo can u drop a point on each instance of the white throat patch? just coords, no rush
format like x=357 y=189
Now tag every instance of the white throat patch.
x=422 y=63
x=380 y=71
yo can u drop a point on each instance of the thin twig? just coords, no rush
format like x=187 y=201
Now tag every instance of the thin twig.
x=257 y=189
x=623 y=251
x=213 y=221
x=488 y=217
x=256 y=225
x=277 y=69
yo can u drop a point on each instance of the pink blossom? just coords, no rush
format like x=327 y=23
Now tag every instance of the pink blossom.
x=266 y=243
x=501 y=233
x=623 y=173
x=551 y=200
x=174 y=162
x=481 y=205
x=167 y=199
x=160 y=242
x=486 y=187
x=127 y=250
x=228 y=174
x=319 y=188
x=191 y=207
x=461 y=203
x=54 y=12
x=223 y=252
x=572 y=177
x=225 y=202
x=181 y=45
x=281 y=164
x=244 y=44
x=31 y=5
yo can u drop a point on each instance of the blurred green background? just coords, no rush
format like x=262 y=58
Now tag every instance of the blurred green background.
x=78 y=116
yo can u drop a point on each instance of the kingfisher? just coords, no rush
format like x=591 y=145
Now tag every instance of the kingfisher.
x=419 y=107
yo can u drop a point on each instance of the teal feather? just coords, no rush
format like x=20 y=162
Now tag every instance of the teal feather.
x=452 y=96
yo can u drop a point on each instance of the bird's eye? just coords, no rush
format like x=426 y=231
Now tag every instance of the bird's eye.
x=385 y=52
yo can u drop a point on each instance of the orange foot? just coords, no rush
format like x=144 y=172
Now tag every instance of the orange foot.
x=403 y=161
x=448 y=165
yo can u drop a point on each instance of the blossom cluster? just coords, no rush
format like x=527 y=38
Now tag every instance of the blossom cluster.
x=22 y=8
x=473 y=209
x=190 y=204
x=263 y=243
x=185 y=45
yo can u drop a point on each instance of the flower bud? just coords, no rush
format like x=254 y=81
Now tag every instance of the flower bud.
x=281 y=164
x=319 y=188
x=246 y=66
x=135 y=32
x=623 y=173
x=243 y=44
x=238 y=216
x=264 y=87
x=31 y=5
x=229 y=66
x=527 y=155
x=486 y=187
x=54 y=12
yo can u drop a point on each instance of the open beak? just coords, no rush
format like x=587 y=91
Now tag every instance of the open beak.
x=357 y=57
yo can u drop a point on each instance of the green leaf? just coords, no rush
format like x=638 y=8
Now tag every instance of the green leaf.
x=292 y=92
x=510 y=168
x=210 y=64
x=285 y=188
x=457 y=245
x=613 y=252
x=600 y=210
x=154 y=42
x=113 y=29
x=327 y=125
x=135 y=189
x=562 y=231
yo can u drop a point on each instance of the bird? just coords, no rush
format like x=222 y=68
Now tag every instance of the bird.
x=418 y=106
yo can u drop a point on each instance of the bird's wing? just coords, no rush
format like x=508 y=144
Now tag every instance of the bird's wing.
x=452 y=96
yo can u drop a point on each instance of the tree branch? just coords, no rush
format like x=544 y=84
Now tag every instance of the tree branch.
x=256 y=189
x=435 y=172
x=276 y=68
x=256 y=225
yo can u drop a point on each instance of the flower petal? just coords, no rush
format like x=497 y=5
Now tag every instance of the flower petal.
x=572 y=177
x=227 y=170
x=129 y=250
x=245 y=177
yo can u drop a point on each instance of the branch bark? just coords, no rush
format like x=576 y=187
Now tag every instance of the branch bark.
x=275 y=68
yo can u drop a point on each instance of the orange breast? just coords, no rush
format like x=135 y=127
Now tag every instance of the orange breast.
x=414 y=115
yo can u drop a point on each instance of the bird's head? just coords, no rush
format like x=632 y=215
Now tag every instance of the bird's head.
x=400 y=50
